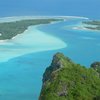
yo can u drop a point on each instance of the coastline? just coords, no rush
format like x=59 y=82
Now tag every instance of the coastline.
x=3 y=41
x=19 y=18
x=20 y=44
x=83 y=27
x=11 y=29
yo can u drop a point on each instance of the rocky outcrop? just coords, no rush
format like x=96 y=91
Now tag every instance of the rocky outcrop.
x=96 y=66
x=65 y=80
x=56 y=65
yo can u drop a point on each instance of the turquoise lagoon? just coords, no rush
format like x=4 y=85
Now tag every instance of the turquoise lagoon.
x=32 y=40
x=24 y=58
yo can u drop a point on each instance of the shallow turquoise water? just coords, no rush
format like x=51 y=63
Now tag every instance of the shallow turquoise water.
x=21 y=77
x=32 y=40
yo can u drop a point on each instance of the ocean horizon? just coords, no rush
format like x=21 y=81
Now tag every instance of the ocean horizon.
x=86 y=8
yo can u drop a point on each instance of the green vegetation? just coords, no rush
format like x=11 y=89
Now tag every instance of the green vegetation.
x=65 y=80
x=11 y=29
x=93 y=25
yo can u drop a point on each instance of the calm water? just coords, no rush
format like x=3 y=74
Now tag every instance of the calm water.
x=21 y=77
x=87 y=8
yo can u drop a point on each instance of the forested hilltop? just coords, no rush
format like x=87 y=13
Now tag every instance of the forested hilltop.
x=66 y=80
x=11 y=29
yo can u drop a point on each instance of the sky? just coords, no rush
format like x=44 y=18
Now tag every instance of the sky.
x=86 y=8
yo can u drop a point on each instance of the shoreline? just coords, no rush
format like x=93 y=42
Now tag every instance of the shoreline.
x=11 y=29
x=84 y=29
x=2 y=41
x=19 y=18
x=20 y=44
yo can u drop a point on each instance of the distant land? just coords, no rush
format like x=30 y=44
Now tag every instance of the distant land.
x=11 y=26
x=10 y=29
x=66 y=80
x=92 y=25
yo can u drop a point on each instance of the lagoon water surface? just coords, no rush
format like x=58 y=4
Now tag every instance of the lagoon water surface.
x=24 y=58
x=32 y=40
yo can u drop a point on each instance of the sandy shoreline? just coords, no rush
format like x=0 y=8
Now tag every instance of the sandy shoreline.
x=80 y=28
x=84 y=28
x=18 y=18
x=5 y=41
x=31 y=40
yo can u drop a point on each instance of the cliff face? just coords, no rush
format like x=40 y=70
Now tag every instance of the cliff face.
x=65 y=80
x=57 y=64
x=96 y=66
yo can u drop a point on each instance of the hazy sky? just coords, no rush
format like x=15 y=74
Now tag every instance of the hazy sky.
x=50 y=7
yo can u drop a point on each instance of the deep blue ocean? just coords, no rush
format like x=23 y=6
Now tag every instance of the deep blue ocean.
x=21 y=77
x=86 y=8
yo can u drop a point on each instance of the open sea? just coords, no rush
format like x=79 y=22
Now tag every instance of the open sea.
x=24 y=59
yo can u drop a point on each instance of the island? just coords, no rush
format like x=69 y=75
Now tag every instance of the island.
x=92 y=25
x=66 y=80
x=10 y=29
